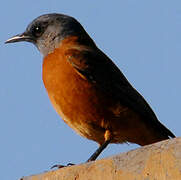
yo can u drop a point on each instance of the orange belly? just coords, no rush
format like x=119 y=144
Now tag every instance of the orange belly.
x=78 y=102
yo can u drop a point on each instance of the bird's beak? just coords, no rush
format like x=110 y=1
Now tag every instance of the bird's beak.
x=19 y=38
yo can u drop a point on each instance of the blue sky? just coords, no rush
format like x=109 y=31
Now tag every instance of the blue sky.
x=142 y=37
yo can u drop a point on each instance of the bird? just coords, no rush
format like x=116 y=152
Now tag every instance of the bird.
x=87 y=89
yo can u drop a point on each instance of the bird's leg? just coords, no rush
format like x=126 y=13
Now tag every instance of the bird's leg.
x=107 y=137
x=98 y=151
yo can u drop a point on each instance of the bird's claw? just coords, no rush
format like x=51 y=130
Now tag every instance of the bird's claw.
x=62 y=166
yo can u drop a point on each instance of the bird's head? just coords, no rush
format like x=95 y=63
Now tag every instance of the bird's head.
x=47 y=32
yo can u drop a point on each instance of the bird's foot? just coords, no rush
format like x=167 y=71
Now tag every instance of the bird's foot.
x=61 y=166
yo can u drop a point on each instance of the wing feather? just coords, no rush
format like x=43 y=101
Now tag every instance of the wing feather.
x=97 y=68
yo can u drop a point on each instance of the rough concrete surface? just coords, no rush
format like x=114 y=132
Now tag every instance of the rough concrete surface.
x=159 y=161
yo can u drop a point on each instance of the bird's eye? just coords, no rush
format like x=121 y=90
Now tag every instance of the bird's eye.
x=37 y=31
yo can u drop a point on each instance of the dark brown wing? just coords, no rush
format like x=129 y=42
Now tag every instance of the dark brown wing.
x=99 y=69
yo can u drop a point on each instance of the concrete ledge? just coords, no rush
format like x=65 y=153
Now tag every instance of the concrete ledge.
x=159 y=161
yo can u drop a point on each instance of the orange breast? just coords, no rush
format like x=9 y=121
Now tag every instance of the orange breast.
x=84 y=108
x=76 y=100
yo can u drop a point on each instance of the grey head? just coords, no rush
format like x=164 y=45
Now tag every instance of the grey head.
x=47 y=31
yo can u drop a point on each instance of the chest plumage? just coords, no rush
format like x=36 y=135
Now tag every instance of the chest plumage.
x=79 y=102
